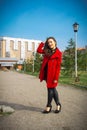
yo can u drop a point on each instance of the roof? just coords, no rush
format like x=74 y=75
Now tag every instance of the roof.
x=80 y=49
x=20 y=39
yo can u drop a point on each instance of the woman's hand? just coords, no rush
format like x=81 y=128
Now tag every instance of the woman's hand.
x=55 y=81
x=40 y=48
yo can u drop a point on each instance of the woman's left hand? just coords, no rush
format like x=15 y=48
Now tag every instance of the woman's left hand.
x=55 y=81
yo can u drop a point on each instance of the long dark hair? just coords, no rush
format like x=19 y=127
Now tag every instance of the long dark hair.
x=49 y=51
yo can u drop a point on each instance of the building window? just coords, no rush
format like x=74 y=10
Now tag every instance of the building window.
x=29 y=46
x=7 y=48
x=7 y=54
x=22 y=50
x=15 y=44
x=36 y=45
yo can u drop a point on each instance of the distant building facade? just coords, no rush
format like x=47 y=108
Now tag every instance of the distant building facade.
x=18 y=48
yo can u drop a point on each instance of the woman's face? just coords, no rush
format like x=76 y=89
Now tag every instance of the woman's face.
x=51 y=44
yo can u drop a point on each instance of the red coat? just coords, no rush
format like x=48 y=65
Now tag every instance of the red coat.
x=54 y=64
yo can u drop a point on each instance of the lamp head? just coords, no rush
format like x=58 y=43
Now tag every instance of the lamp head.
x=75 y=27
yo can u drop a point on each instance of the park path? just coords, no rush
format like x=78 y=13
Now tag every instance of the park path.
x=28 y=97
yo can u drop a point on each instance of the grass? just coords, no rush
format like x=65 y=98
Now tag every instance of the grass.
x=5 y=113
x=30 y=73
x=82 y=83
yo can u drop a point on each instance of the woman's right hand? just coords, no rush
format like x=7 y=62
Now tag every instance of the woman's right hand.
x=40 y=48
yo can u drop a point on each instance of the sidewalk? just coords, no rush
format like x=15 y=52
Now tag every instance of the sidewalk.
x=28 y=97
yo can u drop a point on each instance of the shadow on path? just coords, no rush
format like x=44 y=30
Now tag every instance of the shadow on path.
x=21 y=107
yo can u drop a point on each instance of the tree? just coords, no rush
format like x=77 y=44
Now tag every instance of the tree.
x=28 y=65
x=68 y=58
x=38 y=62
x=82 y=59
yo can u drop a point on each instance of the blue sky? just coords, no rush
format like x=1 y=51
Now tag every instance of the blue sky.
x=39 y=19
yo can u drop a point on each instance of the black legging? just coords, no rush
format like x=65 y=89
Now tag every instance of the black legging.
x=52 y=93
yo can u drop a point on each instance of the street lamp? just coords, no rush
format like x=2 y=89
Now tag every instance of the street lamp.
x=75 y=27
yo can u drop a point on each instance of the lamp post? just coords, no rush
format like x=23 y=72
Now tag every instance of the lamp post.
x=75 y=27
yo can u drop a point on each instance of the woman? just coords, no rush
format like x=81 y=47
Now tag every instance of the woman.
x=50 y=71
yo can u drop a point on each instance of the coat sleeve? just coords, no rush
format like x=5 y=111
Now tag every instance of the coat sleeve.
x=40 y=48
x=58 y=67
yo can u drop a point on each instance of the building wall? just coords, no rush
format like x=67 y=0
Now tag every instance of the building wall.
x=0 y=48
x=13 y=52
x=3 y=48
x=18 y=48
x=28 y=53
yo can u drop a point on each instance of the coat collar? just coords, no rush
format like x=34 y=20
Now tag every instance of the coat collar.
x=56 y=54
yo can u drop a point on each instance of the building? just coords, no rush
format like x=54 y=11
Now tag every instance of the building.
x=82 y=50
x=16 y=50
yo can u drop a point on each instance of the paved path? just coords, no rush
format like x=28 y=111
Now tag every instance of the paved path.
x=28 y=97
